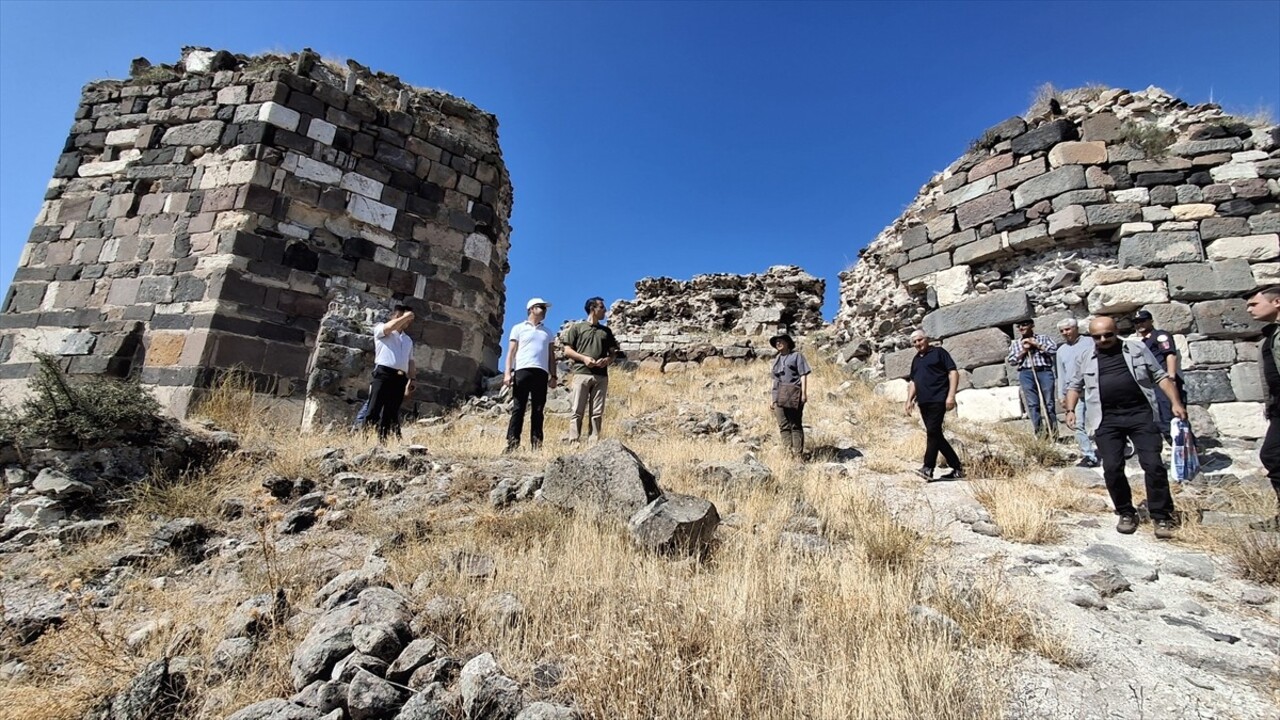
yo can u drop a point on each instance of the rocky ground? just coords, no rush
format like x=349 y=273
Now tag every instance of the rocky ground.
x=311 y=576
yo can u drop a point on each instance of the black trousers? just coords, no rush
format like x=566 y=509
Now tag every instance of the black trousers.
x=386 y=393
x=528 y=389
x=1139 y=426
x=1270 y=452
x=935 y=442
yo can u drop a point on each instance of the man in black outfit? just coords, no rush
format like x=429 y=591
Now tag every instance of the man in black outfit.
x=1264 y=306
x=1162 y=348
x=1119 y=381
x=932 y=385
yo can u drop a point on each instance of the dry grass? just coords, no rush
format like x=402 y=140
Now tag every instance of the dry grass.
x=1026 y=512
x=757 y=630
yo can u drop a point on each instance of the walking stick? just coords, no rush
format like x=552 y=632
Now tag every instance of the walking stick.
x=1051 y=419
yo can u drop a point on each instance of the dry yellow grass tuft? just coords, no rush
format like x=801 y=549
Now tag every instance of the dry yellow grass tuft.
x=1025 y=511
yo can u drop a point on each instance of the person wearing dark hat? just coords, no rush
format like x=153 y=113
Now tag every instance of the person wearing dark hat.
x=932 y=386
x=1162 y=347
x=1264 y=306
x=1033 y=355
x=790 y=392
x=531 y=370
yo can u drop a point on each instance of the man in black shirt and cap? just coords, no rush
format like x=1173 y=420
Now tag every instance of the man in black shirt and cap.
x=1264 y=306
x=1119 y=381
x=1162 y=347
x=932 y=386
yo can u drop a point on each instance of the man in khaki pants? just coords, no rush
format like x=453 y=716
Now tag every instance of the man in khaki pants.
x=592 y=347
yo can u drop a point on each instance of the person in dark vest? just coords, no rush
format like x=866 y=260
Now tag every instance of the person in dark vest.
x=1264 y=306
x=790 y=375
x=932 y=387
x=1161 y=345
x=1119 y=381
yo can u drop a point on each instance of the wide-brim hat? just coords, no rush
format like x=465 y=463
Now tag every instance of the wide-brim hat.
x=536 y=301
x=784 y=337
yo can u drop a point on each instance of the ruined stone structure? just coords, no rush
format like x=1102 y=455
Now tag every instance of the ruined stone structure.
x=261 y=213
x=672 y=324
x=1105 y=202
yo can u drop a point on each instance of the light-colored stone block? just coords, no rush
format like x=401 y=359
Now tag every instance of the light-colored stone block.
x=372 y=212
x=478 y=248
x=1266 y=273
x=279 y=115
x=1250 y=247
x=1068 y=220
x=321 y=131
x=953 y=285
x=1195 y=211
x=1211 y=352
x=317 y=171
x=1133 y=228
x=361 y=185
x=127 y=136
x=1078 y=153
x=1127 y=296
x=1239 y=419
x=1233 y=171
x=233 y=95
x=988 y=405
x=1246 y=382
x=1141 y=196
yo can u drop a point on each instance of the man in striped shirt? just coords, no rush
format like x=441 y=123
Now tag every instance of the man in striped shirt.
x=1033 y=355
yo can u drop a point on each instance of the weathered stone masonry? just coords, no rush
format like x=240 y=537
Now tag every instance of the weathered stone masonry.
x=261 y=213
x=1120 y=201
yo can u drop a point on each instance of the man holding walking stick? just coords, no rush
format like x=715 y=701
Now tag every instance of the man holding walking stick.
x=1033 y=355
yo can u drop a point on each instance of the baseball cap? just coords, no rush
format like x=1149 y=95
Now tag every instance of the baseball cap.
x=536 y=301
x=1141 y=316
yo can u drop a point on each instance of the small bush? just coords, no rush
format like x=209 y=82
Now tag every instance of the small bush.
x=1152 y=140
x=984 y=142
x=88 y=412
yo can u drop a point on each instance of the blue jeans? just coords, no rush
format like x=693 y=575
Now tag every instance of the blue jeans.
x=1087 y=448
x=1028 y=379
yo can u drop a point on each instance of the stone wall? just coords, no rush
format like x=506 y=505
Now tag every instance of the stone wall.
x=675 y=324
x=1104 y=202
x=262 y=213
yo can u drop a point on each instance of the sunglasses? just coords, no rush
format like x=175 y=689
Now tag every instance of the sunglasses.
x=544 y=307
x=1102 y=336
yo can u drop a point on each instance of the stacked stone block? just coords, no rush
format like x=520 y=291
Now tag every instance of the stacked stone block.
x=676 y=324
x=1122 y=201
x=259 y=214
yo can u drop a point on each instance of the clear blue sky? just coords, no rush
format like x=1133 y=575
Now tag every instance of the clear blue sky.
x=659 y=138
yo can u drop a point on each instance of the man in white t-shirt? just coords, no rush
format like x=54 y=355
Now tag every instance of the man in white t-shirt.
x=530 y=371
x=392 y=372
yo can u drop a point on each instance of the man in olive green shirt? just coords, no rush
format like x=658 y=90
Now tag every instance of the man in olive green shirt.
x=592 y=347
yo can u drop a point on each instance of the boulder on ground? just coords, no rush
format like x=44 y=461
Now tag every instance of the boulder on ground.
x=609 y=477
x=675 y=524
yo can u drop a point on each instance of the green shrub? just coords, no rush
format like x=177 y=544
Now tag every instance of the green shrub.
x=87 y=413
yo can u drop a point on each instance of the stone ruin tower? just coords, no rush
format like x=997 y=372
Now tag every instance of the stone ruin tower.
x=671 y=324
x=260 y=214
x=1101 y=202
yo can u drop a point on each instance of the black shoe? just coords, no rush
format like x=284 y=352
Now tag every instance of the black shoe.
x=1087 y=463
x=1127 y=525
x=956 y=474
x=511 y=447
x=926 y=473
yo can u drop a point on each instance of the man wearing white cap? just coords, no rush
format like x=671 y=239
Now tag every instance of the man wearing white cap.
x=530 y=370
